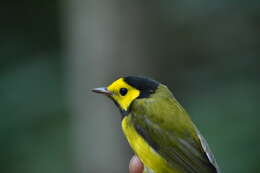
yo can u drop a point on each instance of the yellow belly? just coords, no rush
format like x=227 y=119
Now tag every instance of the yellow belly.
x=147 y=155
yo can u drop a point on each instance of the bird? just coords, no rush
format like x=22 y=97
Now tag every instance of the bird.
x=157 y=127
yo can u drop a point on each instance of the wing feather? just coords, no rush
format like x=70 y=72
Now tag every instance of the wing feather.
x=181 y=150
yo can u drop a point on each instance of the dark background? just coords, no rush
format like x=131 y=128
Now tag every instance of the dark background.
x=53 y=52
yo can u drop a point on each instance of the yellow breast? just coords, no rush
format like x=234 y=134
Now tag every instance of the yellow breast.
x=147 y=155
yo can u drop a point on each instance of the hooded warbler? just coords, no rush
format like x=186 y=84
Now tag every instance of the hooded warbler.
x=158 y=129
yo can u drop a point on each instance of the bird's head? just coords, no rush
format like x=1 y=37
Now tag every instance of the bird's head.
x=124 y=91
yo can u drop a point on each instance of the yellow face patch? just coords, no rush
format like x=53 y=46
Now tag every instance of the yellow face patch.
x=123 y=99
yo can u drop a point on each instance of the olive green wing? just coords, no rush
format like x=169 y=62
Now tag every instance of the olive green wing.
x=182 y=149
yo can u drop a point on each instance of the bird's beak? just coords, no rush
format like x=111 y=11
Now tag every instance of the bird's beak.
x=102 y=90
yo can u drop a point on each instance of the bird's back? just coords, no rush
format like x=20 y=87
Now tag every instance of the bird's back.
x=165 y=137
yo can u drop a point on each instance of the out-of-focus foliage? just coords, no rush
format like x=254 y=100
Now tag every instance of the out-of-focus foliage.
x=34 y=117
x=206 y=52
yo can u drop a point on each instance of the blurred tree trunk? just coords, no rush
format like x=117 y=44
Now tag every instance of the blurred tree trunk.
x=104 y=42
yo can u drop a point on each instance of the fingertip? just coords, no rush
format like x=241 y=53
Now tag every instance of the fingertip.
x=135 y=165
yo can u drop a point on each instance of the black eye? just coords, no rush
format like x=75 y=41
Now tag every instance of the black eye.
x=123 y=91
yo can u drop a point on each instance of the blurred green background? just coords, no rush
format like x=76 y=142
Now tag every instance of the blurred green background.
x=53 y=52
